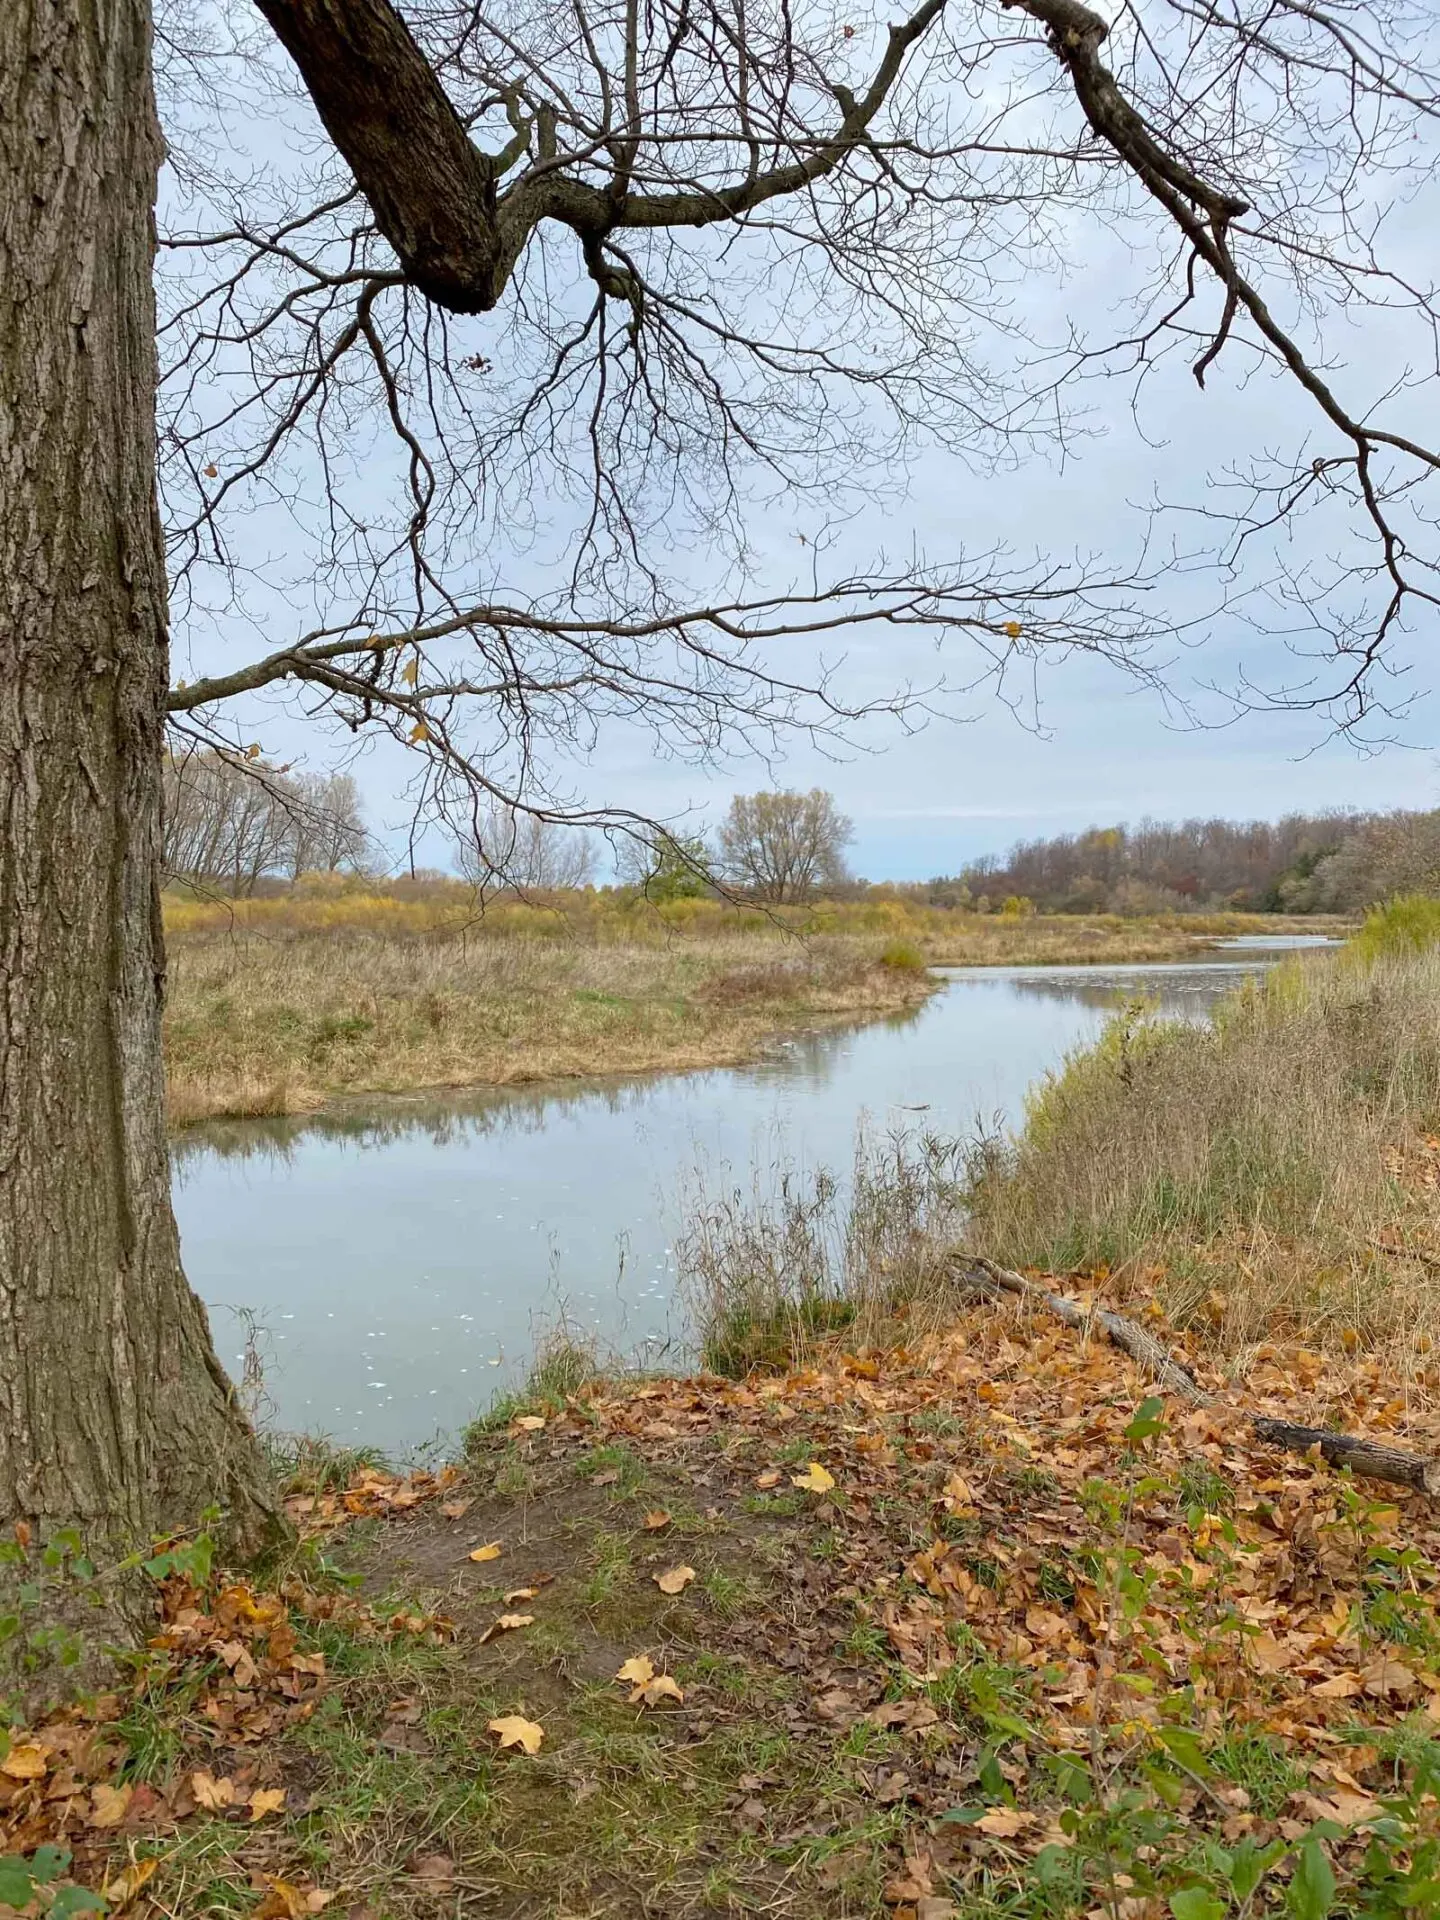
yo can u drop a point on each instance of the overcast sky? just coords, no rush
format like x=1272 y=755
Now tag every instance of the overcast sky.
x=1096 y=748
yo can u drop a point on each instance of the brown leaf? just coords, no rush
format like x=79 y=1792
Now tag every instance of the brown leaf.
x=456 y=1509
x=675 y=1579
x=656 y=1519
x=767 y=1480
x=212 y=1794
x=436 y=1868
x=1003 y=1823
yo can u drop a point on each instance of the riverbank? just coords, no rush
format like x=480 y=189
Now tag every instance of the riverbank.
x=279 y=1006
x=255 y=1026
x=955 y=1627
x=1274 y=1173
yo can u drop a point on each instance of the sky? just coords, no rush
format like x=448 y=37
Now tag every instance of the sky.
x=1088 y=745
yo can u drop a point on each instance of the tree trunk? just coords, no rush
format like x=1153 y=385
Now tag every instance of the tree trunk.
x=114 y=1413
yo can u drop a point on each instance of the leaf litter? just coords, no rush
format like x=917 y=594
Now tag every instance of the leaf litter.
x=1022 y=1610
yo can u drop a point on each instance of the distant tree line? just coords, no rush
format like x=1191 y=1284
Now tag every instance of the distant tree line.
x=1336 y=862
x=231 y=824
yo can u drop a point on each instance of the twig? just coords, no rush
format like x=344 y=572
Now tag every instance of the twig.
x=1367 y=1458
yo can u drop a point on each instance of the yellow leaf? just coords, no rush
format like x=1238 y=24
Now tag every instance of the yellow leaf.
x=26 y=1762
x=252 y=752
x=210 y=1793
x=410 y=672
x=490 y=1551
x=108 y=1805
x=513 y=1730
x=1012 y=629
x=638 y=1670
x=265 y=1800
x=675 y=1580
x=662 y=1687
x=530 y=1422
x=520 y=1593
x=508 y=1622
x=419 y=733
x=1005 y=1822
x=656 y=1519
x=120 y=1891
x=814 y=1479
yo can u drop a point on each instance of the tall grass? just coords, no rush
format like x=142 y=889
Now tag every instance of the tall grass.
x=1272 y=1172
x=765 y=1272
x=259 y=1025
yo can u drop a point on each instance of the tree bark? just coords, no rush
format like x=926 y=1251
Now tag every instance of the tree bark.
x=115 y=1414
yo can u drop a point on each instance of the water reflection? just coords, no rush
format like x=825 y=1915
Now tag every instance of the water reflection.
x=399 y=1252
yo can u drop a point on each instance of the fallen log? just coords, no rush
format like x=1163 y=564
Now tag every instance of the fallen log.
x=1366 y=1458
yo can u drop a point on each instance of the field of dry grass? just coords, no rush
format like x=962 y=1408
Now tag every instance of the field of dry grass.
x=1275 y=1174
x=279 y=1004
x=257 y=1025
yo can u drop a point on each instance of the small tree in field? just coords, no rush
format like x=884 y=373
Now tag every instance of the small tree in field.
x=637 y=275
x=784 y=846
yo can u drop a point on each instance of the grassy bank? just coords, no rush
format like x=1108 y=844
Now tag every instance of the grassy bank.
x=948 y=1630
x=256 y=1025
x=1275 y=1172
x=277 y=1005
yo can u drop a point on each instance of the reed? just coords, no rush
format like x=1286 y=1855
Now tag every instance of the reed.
x=1274 y=1173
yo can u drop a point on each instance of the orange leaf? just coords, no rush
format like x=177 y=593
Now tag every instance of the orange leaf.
x=266 y=1800
x=656 y=1519
x=490 y=1551
x=675 y=1580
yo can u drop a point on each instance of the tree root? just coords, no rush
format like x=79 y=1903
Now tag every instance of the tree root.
x=1366 y=1458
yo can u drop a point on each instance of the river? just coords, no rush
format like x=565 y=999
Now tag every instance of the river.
x=397 y=1256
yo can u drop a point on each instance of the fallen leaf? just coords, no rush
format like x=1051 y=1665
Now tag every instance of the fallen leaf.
x=675 y=1580
x=456 y=1509
x=638 y=1669
x=437 y=1868
x=490 y=1551
x=662 y=1687
x=814 y=1479
x=656 y=1519
x=1003 y=1823
x=529 y=1422
x=513 y=1730
x=520 y=1593
x=120 y=1891
x=507 y=1623
x=767 y=1480
x=266 y=1800
x=26 y=1762
x=212 y=1794
x=108 y=1805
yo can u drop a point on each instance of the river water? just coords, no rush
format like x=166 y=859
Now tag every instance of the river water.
x=398 y=1256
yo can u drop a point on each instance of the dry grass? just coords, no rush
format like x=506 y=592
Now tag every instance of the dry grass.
x=279 y=1004
x=258 y=1025
x=1273 y=1174
x=803 y=1255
